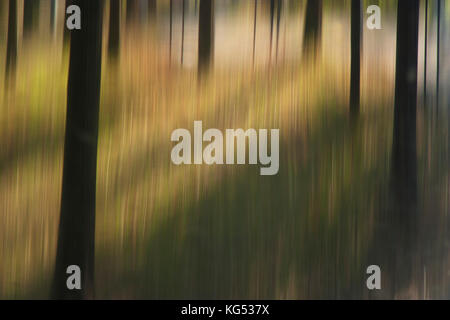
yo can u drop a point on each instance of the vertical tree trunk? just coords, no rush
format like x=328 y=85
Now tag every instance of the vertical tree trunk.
x=279 y=6
x=404 y=146
x=254 y=31
x=76 y=236
x=272 y=14
x=11 y=45
x=355 y=73
x=132 y=6
x=205 y=34
x=152 y=8
x=404 y=159
x=114 y=28
x=425 y=55
x=171 y=27
x=438 y=58
x=53 y=9
x=30 y=16
x=182 y=29
x=313 y=25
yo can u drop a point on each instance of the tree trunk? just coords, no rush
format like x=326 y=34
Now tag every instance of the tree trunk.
x=170 y=31
x=403 y=213
x=254 y=31
x=438 y=49
x=11 y=50
x=355 y=73
x=425 y=55
x=404 y=147
x=76 y=236
x=53 y=10
x=114 y=28
x=272 y=14
x=313 y=25
x=182 y=29
x=279 y=6
x=132 y=6
x=205 y=34
x=152 y=8
x=30 y=16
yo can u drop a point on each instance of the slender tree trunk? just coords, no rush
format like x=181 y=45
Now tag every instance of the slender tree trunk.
x=355 y=73
x=182 y=29
x=313 y=25
x=279 y=5
x=76 y=236
x=114 y=28
x=53 y=9
x=30 y=16
x=152 y=8
x=11 y=45
x=254 y=31
x=2 y=26
x=425 y=55
x=132 y=6
x=272 y=14
x=438 y=58
x=171 y=27
x=205 y=34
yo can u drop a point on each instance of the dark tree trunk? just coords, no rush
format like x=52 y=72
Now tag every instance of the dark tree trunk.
x=205 y=34
x=114 y=28
x=53 y=15
x=11 y=45
x=404 y=144
x=132 y=7
x=438 y=58
x=152 y=8
x=403 y=214
x=30 y=16
x=2 y=9
x=254 y=31
x=355 y=73
x=313 y=25
x=279 y=6
x=171 y=27
x=425 y=55
x=76 y=236
x=182 y=29
x=272 y=14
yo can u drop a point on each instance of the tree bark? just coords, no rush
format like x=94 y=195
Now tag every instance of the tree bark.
x=76 y=236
